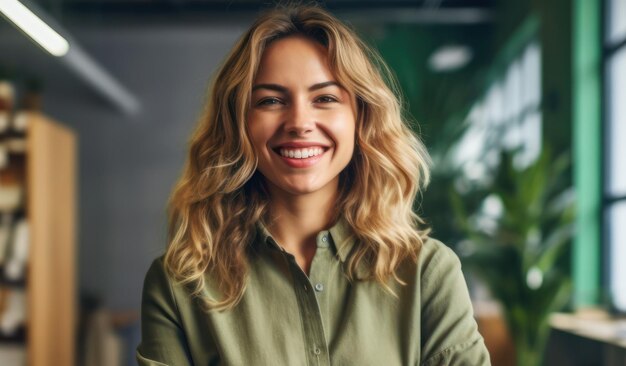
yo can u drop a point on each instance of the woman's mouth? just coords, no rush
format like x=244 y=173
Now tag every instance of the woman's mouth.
x=301 y=153
x=301 y=157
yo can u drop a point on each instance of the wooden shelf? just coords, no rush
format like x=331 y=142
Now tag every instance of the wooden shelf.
x=51 y=288
x=48 y=167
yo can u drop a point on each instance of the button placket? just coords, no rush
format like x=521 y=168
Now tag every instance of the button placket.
x=312 y=322
x=323 y=243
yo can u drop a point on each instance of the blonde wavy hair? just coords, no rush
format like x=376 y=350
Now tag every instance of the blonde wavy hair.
x=220 y=196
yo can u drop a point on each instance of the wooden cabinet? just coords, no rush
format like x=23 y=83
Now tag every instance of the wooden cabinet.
x=48 y=168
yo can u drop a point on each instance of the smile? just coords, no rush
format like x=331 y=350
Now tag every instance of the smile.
x=301 y=153
x=301 y=157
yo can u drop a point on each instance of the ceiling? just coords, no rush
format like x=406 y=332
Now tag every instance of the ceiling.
x=173 y=10
x=247 y=5
x=123 y=14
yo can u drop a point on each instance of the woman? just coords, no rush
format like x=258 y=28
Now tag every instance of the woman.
x=292 y=235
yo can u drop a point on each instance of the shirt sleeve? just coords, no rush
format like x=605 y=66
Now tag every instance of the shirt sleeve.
x=162 y=338
x=449 y=331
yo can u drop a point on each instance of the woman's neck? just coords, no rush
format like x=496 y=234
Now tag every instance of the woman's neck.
x=295 y=220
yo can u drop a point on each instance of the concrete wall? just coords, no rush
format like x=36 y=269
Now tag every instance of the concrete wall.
x=128 y=164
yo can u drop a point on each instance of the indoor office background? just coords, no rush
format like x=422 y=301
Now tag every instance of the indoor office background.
x=520 y=102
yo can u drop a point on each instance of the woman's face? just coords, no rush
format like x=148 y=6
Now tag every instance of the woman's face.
x=300 y=121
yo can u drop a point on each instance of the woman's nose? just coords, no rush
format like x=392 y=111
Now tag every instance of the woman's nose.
x=300 y=119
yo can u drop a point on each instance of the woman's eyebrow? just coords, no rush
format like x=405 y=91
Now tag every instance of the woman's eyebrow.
x=284 y=90
x=323 y=85
x=274 y=87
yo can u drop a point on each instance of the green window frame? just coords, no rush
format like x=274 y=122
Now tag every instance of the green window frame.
x=613 y=206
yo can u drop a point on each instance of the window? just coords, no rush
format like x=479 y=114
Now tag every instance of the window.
x=508 y=117
x=614 y=187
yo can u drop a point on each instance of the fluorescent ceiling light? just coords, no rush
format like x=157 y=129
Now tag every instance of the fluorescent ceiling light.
x=34 y=23
x=34 y=27
x=450 y=58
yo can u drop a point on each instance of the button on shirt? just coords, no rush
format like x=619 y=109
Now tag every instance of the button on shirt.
x=288 y=318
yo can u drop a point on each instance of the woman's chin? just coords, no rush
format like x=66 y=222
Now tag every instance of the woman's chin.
x=303 y=188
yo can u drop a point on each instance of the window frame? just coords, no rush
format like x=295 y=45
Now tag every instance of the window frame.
x=609 y=200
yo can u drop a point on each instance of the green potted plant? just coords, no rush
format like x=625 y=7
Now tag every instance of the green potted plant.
x=519 y=244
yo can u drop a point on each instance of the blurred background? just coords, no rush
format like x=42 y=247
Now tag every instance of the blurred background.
x=522 y=105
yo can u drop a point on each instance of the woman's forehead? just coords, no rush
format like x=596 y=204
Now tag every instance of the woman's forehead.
x=295 y=57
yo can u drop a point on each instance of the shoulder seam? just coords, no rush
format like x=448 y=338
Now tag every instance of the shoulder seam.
x=444 y=253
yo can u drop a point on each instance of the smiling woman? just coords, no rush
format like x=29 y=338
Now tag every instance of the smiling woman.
x=297 y=107
x=292 y=235
x=301 y=123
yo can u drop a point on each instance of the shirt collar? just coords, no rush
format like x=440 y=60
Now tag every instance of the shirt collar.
x=340 y=232
x=343 y=237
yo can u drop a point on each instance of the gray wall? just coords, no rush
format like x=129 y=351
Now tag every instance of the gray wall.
x=127 y=165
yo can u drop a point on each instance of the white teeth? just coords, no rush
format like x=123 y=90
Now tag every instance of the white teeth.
x=301 y=153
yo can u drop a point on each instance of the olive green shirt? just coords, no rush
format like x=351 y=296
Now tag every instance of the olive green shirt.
x=288 y=318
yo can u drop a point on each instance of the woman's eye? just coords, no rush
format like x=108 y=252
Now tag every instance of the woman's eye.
x=268 y=101
x=326 y=99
